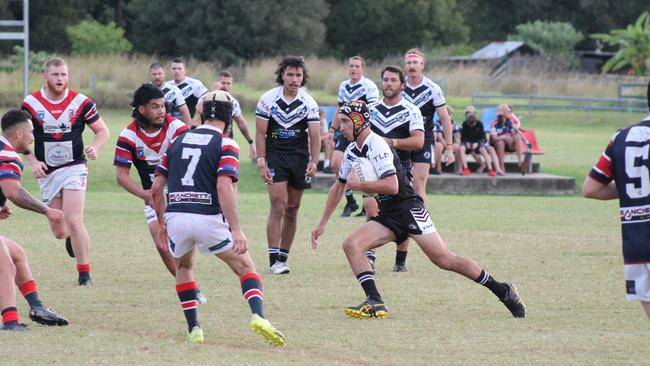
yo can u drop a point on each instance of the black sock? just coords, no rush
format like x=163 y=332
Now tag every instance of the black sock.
x=500 y=289
x=283 y=255
x=400 y=257
x=367 y=281
x=273 y=255
x=349 y=197
x=187 y=296
x=370 y=254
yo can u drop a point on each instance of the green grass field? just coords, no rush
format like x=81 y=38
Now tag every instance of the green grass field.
x=562 y=252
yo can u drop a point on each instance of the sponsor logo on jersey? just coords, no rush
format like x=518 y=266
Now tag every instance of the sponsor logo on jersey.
x=201 y=198
x=635 y=213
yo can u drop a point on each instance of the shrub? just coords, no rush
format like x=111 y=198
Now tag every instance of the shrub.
x=93 y=38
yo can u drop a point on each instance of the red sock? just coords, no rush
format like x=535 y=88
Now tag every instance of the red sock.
x=83 y=268
x=9 y=315
x=28 y=287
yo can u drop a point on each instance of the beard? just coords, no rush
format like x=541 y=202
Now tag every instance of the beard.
x=56 y=88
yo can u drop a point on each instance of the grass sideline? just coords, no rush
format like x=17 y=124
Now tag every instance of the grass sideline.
x=562 y=252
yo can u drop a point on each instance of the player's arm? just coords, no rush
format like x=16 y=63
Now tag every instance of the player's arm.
x=101 y=137
x=414 y=142
x=261 y=125
x=23 y=199
x=125 y=181
x=333 y=198
x=227 y=200
x=159 y=204
x=38 y=167
x=387 y=185
x=598 y=190
x=447 y=133
x=313 y=129
x=185 y=115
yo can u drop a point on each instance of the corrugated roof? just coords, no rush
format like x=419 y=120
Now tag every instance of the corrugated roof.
x=497 y=50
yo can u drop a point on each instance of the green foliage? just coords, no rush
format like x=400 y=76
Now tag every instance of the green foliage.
x=555 y=39
x=634 y=46
x=379 y=28
x=36 y=60
x=93 y=38
x=230 y=31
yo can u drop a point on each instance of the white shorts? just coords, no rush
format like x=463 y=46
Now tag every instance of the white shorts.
x=637 y=281
x=210 y=233
x=149 y=214
x=73 y=177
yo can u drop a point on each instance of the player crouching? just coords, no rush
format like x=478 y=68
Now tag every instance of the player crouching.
x=200 y=170
x=401 y=214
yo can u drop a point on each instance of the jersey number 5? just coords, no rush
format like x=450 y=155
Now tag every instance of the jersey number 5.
x=632 y=153
x=193 y=155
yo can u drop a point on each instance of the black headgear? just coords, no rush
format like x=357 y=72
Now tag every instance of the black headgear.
x=359 y=113
x=218 y=105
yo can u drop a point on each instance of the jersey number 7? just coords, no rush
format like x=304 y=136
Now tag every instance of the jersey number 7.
x=193 y=155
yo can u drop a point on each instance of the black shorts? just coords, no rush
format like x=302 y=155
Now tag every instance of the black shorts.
x=424 y=155
x=289 y=168
x=341 y=142
x=478 y=148
x=406 y=217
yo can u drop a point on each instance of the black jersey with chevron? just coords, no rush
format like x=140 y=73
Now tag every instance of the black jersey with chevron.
x=288 y=121
x=385 y=162
x=427 y=96
x=364 y=89
x=396 y=122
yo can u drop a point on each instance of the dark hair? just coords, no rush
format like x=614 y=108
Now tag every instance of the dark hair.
x=291 y=61
x=143 y=95
x=177 y=60
x=156 y=65
x=224 y=73
x=13 y=118
x=397 y=70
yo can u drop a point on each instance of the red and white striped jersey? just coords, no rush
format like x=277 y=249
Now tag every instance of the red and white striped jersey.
x=59 y=126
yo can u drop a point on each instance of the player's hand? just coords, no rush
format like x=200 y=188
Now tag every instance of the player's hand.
x=448 y=156
x=265 y=173
x=5 y=212
x=241 y=243
x=252 y=154
x=311 y=169
x=57 y=223
x=146 y=197
x=38 y=169
x=353 y=180
x=317 y=232
x=91 y=152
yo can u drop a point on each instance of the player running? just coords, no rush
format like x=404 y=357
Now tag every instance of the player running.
x=401 y=214
x=200 y=170
x=17 y=135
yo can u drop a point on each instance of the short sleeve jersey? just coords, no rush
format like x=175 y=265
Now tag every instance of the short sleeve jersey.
x=427 y=96
x=236 y=112
x=191 y=90
x=385 y=163
x=145 y=150
x=11 y=167
x=626 y=161
x=287 y=121
x=472 y=133
x=192 y=165
x=59 y=126
x=173 y=100
x=396 y=121
x=364 y=89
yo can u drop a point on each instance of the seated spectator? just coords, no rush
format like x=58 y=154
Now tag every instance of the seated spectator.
x=440 y=143
x=504 y=136
x=326 y=141
x=509 y=113
x=472 y=140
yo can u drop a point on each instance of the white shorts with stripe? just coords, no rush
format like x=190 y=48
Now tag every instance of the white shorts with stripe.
x=73 y=177
x=209 y=233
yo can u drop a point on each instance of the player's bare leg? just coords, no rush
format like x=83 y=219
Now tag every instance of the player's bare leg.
x=72 y=205
x=436 y=249
x=186 y=290
x=289 y=222
x=252 y=289
x=368 y=236
x=278 y=197
x=165 y=254
x=646 y=307
x=25 y=282
x=372 y=209
x=10 y=317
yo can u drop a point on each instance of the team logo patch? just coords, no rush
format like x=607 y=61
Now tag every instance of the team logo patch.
x=40 y=115
x=71 y=113
x=139 y=152
x=423 y=220
x=630 y=287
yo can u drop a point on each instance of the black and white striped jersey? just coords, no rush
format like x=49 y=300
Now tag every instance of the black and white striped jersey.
x=364 y=89
x=396 y=122
x=173 y=100
x=192 y=90
x=427 y=96
x=288 y=120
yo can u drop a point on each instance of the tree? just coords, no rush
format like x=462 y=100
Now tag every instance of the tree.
x=377 y=28
x=634 y=46
x=227 y=30
x=555 y=39
x=93 y=38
